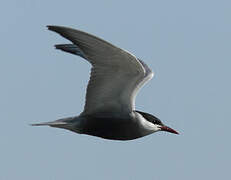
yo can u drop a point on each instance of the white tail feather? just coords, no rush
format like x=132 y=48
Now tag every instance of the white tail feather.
x=70 y=123
x=53 y=123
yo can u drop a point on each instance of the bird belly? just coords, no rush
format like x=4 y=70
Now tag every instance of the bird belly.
x=112 y=128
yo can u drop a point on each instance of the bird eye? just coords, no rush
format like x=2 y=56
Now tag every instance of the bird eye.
x=157 y=122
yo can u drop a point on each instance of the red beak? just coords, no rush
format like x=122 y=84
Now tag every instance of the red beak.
x=168 y=129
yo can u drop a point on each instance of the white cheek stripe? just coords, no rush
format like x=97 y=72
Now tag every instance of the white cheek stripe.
x=147 y=125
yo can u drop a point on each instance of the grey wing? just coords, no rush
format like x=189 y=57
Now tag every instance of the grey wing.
x=116 y=75
x=148 y=75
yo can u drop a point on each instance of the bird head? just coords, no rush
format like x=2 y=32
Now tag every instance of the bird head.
x=163 y=127
x=158 y=125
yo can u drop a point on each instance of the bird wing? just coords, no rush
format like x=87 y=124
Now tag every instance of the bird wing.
x=116 y=75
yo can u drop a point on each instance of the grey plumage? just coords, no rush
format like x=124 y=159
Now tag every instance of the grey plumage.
x=116 y=77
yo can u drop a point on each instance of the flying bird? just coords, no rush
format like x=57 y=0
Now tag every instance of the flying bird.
x=116 y=77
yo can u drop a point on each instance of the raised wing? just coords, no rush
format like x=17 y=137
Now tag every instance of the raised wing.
x=116 y=75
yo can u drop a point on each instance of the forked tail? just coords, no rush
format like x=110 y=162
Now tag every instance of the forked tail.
x=62 y=123
x=52 y=123
x=70 y=123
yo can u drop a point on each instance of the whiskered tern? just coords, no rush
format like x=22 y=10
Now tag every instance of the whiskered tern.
x=116 y=77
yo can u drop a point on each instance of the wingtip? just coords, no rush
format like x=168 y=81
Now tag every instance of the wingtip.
x=56 y=46
x=53 y=27
x=50 y=27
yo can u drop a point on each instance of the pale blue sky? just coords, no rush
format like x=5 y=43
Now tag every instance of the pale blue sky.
x=186 y=43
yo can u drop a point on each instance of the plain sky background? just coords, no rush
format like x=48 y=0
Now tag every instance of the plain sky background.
x=186 y=43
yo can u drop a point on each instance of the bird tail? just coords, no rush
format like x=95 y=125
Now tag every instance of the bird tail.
x=61 y=123
x=70 y=123
x=52 y=123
